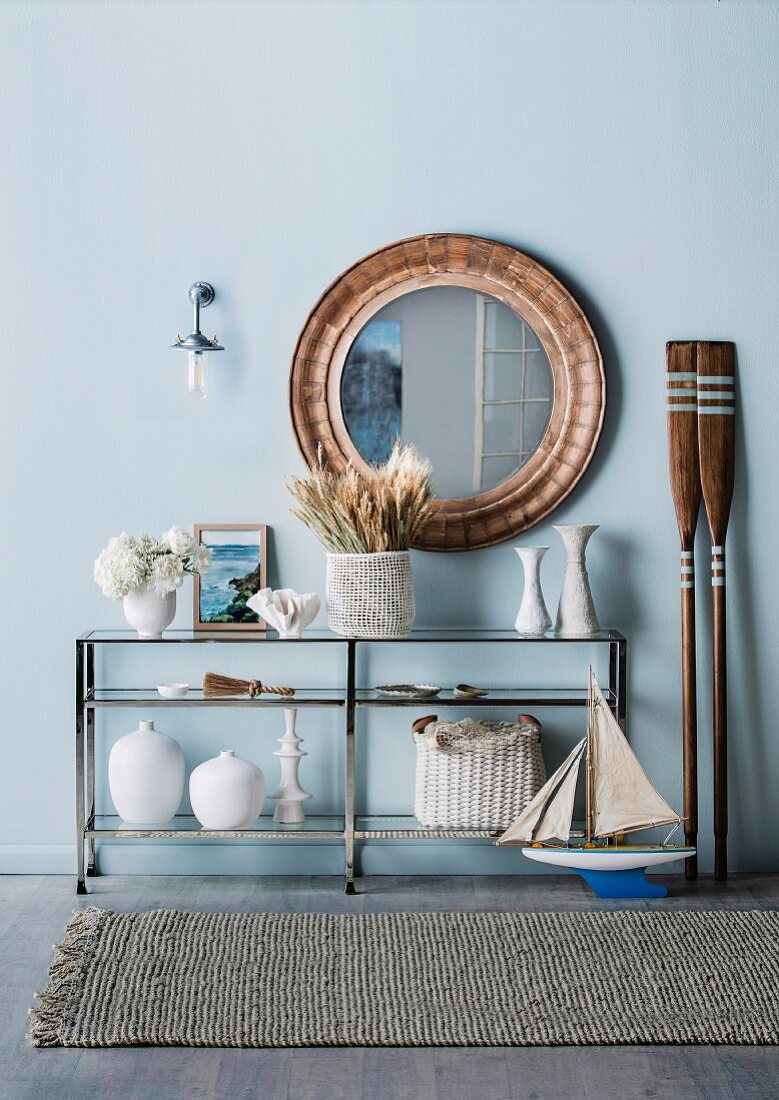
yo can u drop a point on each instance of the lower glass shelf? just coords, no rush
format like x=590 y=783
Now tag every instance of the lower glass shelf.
x=187 y=827
x=406 y=827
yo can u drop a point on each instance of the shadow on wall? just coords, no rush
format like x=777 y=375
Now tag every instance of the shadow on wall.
x=751 y=784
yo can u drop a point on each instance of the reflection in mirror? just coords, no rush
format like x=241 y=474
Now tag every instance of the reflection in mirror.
x=457 y=373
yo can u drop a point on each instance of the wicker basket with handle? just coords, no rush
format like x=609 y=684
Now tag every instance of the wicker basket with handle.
x=477 y=775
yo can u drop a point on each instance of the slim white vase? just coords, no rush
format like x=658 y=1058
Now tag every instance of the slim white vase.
x=227 y=792
x=533 y=617
x=576 y=615
x=289 y=795
x=146 y=776
x=149 y=613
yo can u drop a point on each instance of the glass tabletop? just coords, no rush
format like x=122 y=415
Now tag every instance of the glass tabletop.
x=423 y=634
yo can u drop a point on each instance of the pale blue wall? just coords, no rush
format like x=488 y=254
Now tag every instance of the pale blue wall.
x=629 y=146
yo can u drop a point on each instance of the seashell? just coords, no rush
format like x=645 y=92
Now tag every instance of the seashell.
x=467 y=691
x=285 y=610
x=408 y=691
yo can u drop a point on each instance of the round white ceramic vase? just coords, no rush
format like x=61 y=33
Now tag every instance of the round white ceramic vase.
x=533 y=617
x=289 y=795
x=227 y=792
x=149 y=613
x=576 y=615
x=146 y=776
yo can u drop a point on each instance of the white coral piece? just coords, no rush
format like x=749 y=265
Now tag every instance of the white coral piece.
x=285 y=609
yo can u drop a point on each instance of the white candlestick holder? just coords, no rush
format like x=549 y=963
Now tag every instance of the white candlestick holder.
x=289 y=795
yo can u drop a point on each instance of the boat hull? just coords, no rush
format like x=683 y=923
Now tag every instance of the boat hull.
x=613 y=872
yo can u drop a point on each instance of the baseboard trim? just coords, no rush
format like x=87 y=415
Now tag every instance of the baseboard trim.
x=37 y=859
x=273 y=858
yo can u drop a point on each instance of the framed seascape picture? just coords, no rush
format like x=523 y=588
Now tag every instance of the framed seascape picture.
x=237 y=572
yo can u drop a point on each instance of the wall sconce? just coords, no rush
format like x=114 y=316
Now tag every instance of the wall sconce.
x=196 y=345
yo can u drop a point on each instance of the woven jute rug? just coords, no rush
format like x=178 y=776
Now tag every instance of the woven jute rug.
x=432 y=979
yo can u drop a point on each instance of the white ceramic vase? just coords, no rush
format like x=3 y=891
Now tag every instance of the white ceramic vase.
x=289 y=795
x=576 y=615
x=149 y=613
x=533 y=617
x=146 y=776
x=227 y=792
x=285 y=610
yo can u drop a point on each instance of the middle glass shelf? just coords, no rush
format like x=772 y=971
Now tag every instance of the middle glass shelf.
x=335 y=697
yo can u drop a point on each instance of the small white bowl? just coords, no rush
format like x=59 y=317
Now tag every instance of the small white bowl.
x=173 y=691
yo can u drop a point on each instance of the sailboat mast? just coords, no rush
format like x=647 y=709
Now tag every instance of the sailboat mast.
x=589 y=757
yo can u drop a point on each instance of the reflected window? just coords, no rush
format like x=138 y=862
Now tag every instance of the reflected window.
x=513 y=393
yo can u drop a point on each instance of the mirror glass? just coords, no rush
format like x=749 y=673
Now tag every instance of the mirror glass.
x=457 y=373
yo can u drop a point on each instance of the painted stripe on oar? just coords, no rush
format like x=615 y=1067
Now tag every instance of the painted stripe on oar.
x=682 y=408
x=712 y=395
x=688 y=584
x=718 y=566
x=715 y=379
x=718 y=410
x=682 y=375
x=688 y=553
x=688 y=569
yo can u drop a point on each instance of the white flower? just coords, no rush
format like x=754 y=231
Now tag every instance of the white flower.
x=180 y=542
x=118 y=568
x=128 y=562
x=201 y=559
x=167 y=573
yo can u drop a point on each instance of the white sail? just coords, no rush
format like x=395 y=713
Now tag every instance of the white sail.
x=555 y=824
x=623 y=799
x=523 y=830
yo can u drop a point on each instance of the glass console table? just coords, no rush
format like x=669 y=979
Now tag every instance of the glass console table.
x=346 y=828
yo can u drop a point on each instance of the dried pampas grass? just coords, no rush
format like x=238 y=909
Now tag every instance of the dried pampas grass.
x=355 y=514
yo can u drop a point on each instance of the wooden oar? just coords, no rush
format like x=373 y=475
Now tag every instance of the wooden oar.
x=680 y=356
x=716 y=446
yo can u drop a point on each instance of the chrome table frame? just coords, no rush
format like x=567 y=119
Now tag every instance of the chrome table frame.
x=91 y=827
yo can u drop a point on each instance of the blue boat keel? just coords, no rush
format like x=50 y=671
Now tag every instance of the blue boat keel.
x=630 y=883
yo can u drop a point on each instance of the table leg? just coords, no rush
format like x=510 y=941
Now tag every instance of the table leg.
x=90 y=723
x=81 y=886
x=349 y=777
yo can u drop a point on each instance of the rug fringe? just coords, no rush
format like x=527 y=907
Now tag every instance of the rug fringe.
x=64 y=976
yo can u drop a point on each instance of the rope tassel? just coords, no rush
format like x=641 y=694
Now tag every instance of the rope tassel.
x=215 y=685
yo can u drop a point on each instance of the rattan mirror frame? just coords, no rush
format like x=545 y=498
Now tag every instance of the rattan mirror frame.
x=522 y=284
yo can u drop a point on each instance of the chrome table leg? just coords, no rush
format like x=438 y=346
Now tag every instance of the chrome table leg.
x=81 y=886
x=349 y=777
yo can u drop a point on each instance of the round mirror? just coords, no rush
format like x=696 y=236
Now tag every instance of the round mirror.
x=457 y=373
x=472 y=351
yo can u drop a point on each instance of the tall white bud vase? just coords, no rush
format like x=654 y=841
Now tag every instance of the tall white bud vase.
x=289 y=795
x=533 y=617
x=576 y=612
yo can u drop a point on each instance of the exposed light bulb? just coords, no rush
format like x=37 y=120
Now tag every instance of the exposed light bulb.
x=197 y=377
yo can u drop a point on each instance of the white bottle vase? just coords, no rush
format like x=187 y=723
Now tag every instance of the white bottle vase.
x=576 y=615
x=146 y=776
x=289 y=795
x=227 y=792
x=533 y=617
x=149 y=613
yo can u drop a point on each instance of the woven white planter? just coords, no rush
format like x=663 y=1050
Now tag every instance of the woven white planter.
x=484 y=788
x=370 y=595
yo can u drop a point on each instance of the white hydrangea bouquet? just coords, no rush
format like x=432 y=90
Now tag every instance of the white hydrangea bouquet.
x=145 y=572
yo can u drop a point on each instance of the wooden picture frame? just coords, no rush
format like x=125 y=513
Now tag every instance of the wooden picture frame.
x=198 y=622
x=578 y=408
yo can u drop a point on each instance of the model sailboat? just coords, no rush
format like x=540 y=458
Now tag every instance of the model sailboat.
x=620 y=799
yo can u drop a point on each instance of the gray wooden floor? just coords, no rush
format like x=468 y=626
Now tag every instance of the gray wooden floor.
x=34 y=911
